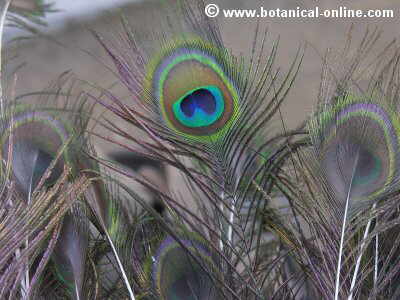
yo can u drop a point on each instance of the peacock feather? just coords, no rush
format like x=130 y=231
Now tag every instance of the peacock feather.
x=356 y=142
x=345 y=186
x=185 y=268
x=195 y=99
x=41 y=146
x=260 y=212
x=22 y=140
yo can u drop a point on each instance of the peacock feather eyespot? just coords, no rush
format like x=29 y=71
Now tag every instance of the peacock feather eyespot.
x=191 y=83
x=364 y=134
x=185 y=272
x=36 y=138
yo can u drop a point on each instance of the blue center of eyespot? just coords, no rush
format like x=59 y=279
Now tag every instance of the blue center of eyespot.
x=199 y=107
x=202 y=99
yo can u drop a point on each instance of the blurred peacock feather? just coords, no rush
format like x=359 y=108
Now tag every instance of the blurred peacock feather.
x=265 y=213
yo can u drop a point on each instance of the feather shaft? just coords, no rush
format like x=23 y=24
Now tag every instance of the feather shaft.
x=341 y=246
x=353 y=281
x=231 y=219
x=126 y=281
x=221 y=207
x=376 y=259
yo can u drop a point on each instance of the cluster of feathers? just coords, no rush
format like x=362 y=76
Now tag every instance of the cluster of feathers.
x=266 y=212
